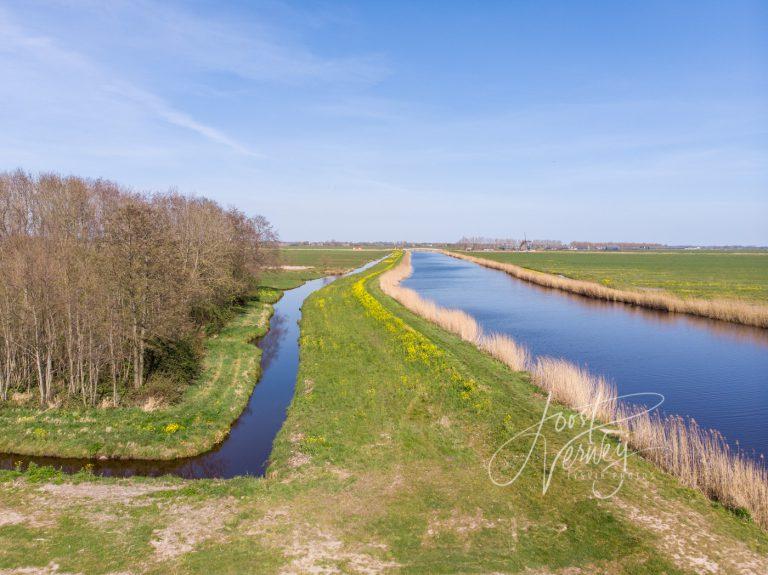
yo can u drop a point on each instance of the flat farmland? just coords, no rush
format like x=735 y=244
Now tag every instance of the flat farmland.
x=329 y=258
x=707 y=275
x=297 y=265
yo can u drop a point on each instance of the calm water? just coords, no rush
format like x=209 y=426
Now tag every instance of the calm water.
x=713 y=371
x=246 y=449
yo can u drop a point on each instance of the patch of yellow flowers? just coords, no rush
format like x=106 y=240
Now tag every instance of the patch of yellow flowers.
x=417 y=347
x=171 y=428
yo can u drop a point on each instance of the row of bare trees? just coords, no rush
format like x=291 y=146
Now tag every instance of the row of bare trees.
x=93 y=273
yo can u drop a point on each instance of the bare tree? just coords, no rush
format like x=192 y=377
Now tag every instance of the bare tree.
x=94 y=274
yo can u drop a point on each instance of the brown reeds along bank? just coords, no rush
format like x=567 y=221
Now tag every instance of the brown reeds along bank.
x=455 y=321
x=699 y=458
x=734 y=311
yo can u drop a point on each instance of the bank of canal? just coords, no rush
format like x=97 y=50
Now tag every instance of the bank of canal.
x=713 y=371
x=246 y=449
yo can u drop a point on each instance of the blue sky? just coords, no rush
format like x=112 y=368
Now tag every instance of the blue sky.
x=634 y=121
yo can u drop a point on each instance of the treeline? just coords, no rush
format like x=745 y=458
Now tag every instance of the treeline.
x=475 y=243
x=94 y=277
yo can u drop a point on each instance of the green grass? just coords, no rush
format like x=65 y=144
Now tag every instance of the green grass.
x=708 y=275
x=319 y=261
x=208 y=408
x=380 y=466
x=327 y=258
x=289 y=279
x=198 y=422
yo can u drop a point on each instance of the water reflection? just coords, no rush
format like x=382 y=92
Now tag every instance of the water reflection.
x=730 y=331
x=713 y=371
x=246 y=449
x=270 y=343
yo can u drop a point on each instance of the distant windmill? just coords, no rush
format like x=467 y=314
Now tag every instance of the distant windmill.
x=524 y=245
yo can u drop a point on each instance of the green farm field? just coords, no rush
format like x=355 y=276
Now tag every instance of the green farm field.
x=380 y=467
x=707 y=275
x=329 y=258
x=316 y=262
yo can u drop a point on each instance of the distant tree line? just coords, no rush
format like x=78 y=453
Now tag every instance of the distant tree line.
x=509 y=243
x=515 y=244
x=95 y=276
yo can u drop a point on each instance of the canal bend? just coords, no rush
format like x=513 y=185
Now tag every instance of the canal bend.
x=247 y=448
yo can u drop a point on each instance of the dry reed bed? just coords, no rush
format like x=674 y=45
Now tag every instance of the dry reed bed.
x=699 y=458
x=734 y=311
x=455 y=321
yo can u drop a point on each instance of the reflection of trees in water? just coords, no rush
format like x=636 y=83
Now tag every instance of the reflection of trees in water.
x=270 y=343
x=215 y=463
x=211 y=464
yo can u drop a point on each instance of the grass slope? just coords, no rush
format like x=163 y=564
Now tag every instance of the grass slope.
x=380 y=467
x=708 y=275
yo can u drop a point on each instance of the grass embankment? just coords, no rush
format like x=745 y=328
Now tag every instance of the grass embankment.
x=196 y=424
x=730 y=287
x=381 y=467
x=700 y=458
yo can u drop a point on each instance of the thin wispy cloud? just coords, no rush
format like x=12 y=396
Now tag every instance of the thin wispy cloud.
x=169 y=36
x=247 y=48
x=163 y=110
x=53 y=59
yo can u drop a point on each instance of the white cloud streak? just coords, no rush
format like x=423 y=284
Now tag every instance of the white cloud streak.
x=50 y=58
x=173 y=116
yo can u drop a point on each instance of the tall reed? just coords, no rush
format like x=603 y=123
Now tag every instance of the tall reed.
x=734 y=311
x=455 y=321
x=699 y=458
x=574 y=386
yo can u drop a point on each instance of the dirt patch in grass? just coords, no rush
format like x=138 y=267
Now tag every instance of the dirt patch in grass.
x=457 y=523
x=318 y=552
x=272 y=519
x=338 y=472
x=8 y=517
x=310 y=549
x=50 y=569
x=124 y=493
x=687 y=538
x=297 y=458
x=25 y=514
x=190 y=525
x=564 y=571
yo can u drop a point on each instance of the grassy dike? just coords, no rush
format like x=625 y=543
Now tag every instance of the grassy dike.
x=380 y=467
x=231 y=367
